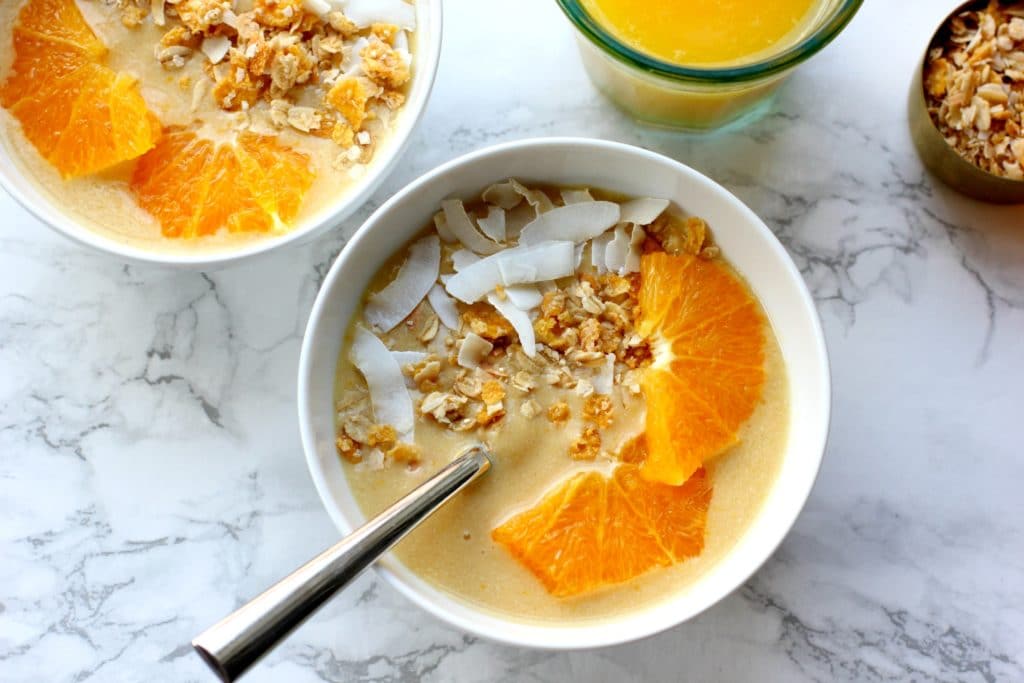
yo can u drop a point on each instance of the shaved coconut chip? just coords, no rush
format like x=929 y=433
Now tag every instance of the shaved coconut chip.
x=229 y=17
x=318 y=7
x=402 y=41
x=519 y=320
x=461 y=225
x=579 y=254
x=354 y=57
x=547 y=286
x=516 y=219
x=463 y=258
x=409 y=357
x=636 y=244
x=394 y=303
x=576 y=196
x=537 y=262
x=502 y=195
x=522 y=265
x=598 y=247
x=524 y=297
x=389 y=397
x=366 y=12
x=441 y=225
x=575 y=222
x=215 y=48
x=604 y=380
x=444 y=307
x=643 y=211
x=493 y=224
x=535 y=198
x=615 y=253
x=473 y=350
x=156 y=8
x=443 y=279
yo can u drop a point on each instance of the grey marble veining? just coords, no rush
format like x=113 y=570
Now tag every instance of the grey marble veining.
x=151 y=477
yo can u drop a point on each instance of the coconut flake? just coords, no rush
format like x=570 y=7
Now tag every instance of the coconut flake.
x=578 y=251
x=519 y=320
x=444 y=307
x=522 y=265
x=502 y=195
x=389 y=398
x=354 y=57
x=320 y=8
x=473 y=350
x=604 y=380
x=575 y=222
x=402 y=41
x=540 y=202
x=441 y=225
x=215 y=48
x=636 y=244
x=598 y=247
x=493 y=224
x=643 y=211
x=576 y=196
x=524 y=297
x=156 y=8
x=394 y=303
x=409 y=357
x=461 y=225
x=537 y=262
x=615 y=253
x=366 y=12
x=463 y=258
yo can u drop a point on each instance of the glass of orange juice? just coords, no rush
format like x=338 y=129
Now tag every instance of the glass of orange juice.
x=699 y=64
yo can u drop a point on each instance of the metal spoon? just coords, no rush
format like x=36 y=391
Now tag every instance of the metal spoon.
x=233 y=645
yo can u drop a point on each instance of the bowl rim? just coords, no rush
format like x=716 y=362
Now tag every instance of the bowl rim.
x=426 y=59
x=533 y=634
x=832 y=25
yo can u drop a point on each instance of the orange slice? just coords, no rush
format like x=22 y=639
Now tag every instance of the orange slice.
x=707 y=332
x=592 y=531
x=81 y=116
x=194 y=187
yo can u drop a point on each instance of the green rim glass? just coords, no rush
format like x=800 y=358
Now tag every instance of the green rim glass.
x=822 y=35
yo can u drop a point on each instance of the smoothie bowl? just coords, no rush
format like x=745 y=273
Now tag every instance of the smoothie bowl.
x=198 y=132
x=629 y=340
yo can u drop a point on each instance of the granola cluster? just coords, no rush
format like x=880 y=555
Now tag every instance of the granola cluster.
x=280 y=64
x=974 y=84
x=586 y=345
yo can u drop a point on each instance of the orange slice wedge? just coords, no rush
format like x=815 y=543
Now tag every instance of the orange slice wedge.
x=80 y=115
x=592 y=530
x=707 y=333
x=194 y=187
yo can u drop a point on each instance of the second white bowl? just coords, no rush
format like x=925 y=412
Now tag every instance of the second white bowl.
x=745 y=241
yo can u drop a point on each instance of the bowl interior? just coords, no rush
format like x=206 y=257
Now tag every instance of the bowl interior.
x=425 y=60
x=745 y=241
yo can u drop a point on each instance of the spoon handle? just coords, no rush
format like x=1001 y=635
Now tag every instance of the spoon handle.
x=234 y=644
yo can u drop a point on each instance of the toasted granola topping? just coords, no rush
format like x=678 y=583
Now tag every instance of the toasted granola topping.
x=598 y=408
x=348 y=448
x=559 y=413
x=383 y=64
x=404 y=452
x=974 y=86
x=587 y=446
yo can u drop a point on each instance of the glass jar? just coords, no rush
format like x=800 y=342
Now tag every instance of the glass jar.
x=660 y=93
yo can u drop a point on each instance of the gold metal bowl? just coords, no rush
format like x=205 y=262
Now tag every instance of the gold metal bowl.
x=941 y=159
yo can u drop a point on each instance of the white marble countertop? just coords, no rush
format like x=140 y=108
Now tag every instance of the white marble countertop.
x=151 y=476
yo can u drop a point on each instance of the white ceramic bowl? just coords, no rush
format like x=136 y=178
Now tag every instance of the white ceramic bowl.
x=745 y=241
x=425 y=59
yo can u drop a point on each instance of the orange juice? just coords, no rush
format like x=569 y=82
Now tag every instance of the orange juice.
x=703 y=32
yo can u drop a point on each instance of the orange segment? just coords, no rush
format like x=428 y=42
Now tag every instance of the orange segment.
x=62 y=22
x=195 y=188
x=708 y=334
x=81 y=116
x=592 y=530
x=39 y=61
